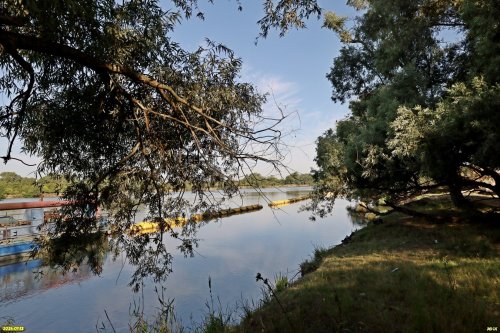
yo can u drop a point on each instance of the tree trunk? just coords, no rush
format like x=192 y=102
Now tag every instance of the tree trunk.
x=457 y=197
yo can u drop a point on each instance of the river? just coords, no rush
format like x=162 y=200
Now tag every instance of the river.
x=231 y=252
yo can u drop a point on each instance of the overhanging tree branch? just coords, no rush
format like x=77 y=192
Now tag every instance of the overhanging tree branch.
x=17 y=41
x=24 y=96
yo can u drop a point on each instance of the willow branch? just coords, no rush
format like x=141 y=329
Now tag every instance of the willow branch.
x=25 y=95
x=25 y=42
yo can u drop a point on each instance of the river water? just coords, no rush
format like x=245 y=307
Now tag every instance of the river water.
x=231 y=252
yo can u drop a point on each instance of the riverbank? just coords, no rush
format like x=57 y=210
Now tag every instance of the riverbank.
x=403 y=275
x=231 y=251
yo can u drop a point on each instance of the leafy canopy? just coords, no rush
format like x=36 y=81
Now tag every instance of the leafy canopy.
x=100 y=91
x=422 y=81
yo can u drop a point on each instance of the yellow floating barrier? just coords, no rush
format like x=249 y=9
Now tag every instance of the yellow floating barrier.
x=288 y=201
x=149 y=227
x=225 y=212
x=145 y=226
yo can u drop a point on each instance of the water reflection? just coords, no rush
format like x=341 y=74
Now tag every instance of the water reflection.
x=231 y=251
x=68 y=252
x=25 y=279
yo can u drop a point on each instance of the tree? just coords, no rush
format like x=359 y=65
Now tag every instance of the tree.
x=466 y=127
x=100 y=91
x=14 y=185
x=296 y=178
x=421 y=78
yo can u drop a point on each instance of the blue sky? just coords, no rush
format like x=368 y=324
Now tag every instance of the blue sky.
x=293 y=68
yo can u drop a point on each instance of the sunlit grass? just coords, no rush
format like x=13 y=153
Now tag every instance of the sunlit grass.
x=406 y=275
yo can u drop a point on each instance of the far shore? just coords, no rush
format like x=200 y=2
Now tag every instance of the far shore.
x=56 y=195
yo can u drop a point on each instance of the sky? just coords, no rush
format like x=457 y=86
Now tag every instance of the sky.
x=293 y=69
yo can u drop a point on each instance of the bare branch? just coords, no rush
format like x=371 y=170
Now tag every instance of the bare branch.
x=7 y=158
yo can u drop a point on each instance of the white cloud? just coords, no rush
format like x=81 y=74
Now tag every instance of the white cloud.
x=304 y=123
x=280 y=91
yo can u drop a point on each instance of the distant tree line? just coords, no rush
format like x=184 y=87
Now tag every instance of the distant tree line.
x=15 y=186
x=295 y=178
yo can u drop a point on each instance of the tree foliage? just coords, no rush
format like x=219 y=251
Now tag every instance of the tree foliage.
x=15 y=186
x=255 y=179
x=100 y=91
x=422 y=81
x=285 y=14
x=12 y=184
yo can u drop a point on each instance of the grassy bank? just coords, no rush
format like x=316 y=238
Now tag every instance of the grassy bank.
x=404 y=275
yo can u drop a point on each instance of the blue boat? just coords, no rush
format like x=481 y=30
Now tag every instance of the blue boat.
x=20 y=224
x=18 y=230
x=18 y=249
